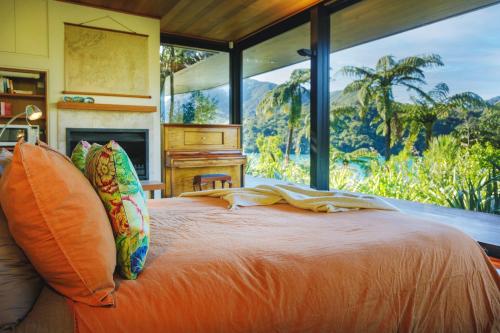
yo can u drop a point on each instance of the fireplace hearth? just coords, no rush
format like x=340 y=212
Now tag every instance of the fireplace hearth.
x=134 y=141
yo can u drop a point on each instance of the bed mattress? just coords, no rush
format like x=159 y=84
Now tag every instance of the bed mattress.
x=282 y=269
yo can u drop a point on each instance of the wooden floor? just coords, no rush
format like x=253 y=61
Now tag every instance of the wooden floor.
x=484 y=228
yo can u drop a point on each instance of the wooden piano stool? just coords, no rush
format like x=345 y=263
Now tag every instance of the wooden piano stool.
x=194 y=150
x=200 y=180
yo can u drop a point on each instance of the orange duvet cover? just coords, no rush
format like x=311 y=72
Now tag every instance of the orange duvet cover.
x=282 y=269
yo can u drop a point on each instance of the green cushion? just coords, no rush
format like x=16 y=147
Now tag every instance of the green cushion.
x=112 y=174
x=79 y=155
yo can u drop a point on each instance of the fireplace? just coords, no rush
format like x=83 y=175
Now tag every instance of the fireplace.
x=133 y=141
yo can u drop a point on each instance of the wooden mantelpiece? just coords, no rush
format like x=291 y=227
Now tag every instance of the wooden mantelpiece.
x=106 y=107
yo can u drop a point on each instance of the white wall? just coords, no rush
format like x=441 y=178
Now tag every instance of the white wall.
x=27 y=50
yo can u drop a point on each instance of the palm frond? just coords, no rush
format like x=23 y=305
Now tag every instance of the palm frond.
x=301 y=75
x=424 y=61
x=442 y=89
x=467 y=100
x=354 y=86
x=406 y=71
x=385 y=63
x=357 y=72
x=409 y=79
x=420 y=92
x=365 y=96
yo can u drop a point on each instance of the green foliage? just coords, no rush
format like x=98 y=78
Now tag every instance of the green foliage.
x=205 y=107
x=270 y=163
x=446 y=175
x=172 y=60
x=199 y=109
x=489 y=126
x=188 y=112
x=287 y=98
x=480 y=197
x=444 y=147
x=374 y=88
x=480 y=127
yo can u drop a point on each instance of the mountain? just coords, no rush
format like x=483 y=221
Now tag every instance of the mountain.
x=337 y=97
x=253 y=92
x=349 y=132
x=494 y=100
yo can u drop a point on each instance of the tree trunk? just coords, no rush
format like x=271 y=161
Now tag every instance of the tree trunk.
x=289 y=145
x=387 y=139
x=428 y=134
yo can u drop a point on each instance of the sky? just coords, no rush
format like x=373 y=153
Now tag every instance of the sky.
x=468 y=44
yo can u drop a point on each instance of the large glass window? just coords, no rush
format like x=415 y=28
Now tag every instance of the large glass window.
x=194 y=85
x=416 y=115
x=276 y=109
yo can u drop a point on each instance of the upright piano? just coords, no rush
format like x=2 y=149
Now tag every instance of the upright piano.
x=192 y=150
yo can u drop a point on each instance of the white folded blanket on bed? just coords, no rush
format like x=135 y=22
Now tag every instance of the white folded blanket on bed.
x=317 y=201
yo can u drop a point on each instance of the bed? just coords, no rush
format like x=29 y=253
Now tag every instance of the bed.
x=281 y=269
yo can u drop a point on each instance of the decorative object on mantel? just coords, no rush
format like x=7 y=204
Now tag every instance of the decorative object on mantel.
x=89 y=70
x=105 y=107
x=78 y=99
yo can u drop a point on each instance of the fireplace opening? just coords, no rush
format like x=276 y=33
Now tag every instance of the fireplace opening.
x=134 y=141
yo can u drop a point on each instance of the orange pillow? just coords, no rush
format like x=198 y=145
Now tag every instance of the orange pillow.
x=56 y=217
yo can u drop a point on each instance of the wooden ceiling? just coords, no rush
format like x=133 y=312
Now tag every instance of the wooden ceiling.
x=222 y=20
x=365 y=21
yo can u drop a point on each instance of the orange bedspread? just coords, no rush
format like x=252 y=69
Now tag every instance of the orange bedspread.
x=282 y=269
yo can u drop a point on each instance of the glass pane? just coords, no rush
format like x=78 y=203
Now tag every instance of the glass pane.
x=195 y=85
x=413 y=114
x=276 y=109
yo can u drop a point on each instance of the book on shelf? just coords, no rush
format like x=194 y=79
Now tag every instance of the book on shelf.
x=5 y=109
x=22 y=92
x=6 y=85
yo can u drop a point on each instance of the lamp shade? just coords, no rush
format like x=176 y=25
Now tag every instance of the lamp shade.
x=33 y=112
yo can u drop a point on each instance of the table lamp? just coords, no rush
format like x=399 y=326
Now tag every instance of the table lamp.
x=32 y=112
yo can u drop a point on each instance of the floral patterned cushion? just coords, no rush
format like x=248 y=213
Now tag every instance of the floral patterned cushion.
x=79 y=155
x=112 y=174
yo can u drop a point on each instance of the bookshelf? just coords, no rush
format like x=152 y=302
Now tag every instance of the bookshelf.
x=25 y=80
x=2 y=95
